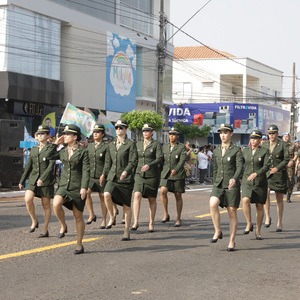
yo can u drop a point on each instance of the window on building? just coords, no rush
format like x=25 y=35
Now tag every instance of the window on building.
x=101 y=9
x=208 y=85
x=137 y=15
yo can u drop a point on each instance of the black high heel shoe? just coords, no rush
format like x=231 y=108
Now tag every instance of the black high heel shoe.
x=219 y=237
x=135 y=228
x=268 y=225
x=247 y=231
x=36 y=226
x=44 y=235
x=126 y=238
x=90 y=222
x=166 y=220
x=110 y=225
x=231 y=249
x=79 y=251
x=61 y=235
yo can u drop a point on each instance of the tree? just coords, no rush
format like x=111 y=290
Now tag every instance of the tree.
x=193 y=131
x=136 y=120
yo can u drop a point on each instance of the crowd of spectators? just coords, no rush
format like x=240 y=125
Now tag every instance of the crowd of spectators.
x=200 y=158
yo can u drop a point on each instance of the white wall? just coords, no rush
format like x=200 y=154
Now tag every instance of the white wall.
x=200 y=72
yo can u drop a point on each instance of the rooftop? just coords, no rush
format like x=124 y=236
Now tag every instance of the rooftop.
x=199 y=52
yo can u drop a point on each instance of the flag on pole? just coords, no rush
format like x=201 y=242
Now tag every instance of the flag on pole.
x=109 y=127
x=29 y=138
x=84 y=120
x=50 y=121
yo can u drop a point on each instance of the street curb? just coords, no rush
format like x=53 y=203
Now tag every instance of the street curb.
x=12 y=194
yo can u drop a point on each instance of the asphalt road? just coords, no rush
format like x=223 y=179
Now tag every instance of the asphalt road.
x=171 y=263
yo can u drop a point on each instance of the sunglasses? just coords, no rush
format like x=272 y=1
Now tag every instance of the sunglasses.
x=119 y=127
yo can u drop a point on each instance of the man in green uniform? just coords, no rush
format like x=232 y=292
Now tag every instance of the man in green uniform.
x=173 y=174
x=277 y=175
x=293 y=152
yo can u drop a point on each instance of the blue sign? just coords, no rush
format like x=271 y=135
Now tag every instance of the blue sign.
x=243 y=117
x=120 y=74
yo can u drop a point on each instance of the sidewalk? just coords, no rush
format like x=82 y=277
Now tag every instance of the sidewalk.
x=6 y=193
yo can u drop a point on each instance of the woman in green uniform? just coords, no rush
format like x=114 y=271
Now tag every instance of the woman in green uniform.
x=277 y=176
x=147 y=175
x=73 y=183
x=120 y=164
x=97 y=152
x=228 y=166
x=40 y=170
x=254 y=184
x=173 y=175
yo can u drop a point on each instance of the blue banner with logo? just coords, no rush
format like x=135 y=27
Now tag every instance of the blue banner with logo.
x=120 y=73
x=243 y=117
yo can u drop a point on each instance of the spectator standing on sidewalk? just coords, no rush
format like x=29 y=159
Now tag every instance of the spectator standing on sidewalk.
x=194 y=163
x=203 y=159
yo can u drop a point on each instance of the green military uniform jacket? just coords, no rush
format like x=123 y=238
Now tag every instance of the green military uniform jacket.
x=173 y=160
x=227 y=167
x=76 y=170
x=39 y=166
x=97 y=158
x=279 y=158
x=152 y=156
x=257 y=163
x=118 y=161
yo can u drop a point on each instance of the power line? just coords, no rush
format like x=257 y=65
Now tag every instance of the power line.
x=227 y=57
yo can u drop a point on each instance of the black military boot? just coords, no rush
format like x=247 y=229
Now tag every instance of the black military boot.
x=288 y=199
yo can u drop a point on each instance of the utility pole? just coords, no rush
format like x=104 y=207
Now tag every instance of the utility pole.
x=161 y=54
x=293 y=104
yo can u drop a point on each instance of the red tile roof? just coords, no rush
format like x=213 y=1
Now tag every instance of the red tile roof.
x=199 y=52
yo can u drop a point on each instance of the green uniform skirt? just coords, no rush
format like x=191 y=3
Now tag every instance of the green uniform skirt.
x=94 y=185
x=257 y=194
x=41 y=191
x=72 y=197
x=173 y=185
x=278 y=182
x=147 y=186
x=227 y=197
x=120 y=192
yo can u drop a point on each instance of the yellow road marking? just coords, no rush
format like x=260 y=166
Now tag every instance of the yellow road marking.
x=36 y=250
x=208 y=215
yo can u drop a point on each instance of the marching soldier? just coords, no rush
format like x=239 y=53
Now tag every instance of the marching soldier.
x=40 y=170
x=173 y=175
x=120 y=165
x=291 y=166
x=228 y=166
x=97 y=152
x=297 y=168
x=255 y=184
x=277 y=175
x=73 y=183
x=147 y=175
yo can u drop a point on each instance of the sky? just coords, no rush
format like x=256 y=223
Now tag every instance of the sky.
x=264 y=30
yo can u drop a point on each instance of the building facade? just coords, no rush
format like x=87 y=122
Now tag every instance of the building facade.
x=99 y=54
x=204 y=74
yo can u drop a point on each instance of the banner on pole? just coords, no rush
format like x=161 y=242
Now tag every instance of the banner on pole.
x=84 y=120
x=109 y=127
